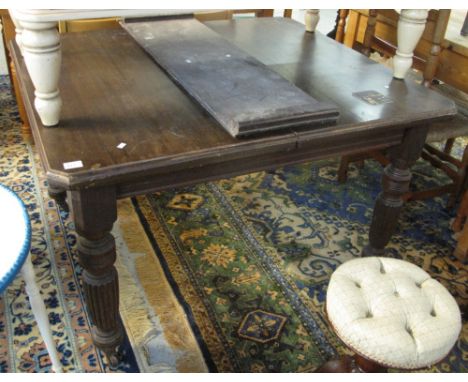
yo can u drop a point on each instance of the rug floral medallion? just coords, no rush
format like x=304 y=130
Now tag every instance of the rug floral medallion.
x=223 y=276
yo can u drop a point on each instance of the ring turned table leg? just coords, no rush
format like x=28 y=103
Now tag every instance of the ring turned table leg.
x=395 y=183
x=95 y=211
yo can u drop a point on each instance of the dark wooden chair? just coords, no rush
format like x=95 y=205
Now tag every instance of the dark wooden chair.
x=442 y=159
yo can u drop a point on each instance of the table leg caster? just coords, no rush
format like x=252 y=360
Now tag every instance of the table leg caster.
x=114 y=358
x=109 y=342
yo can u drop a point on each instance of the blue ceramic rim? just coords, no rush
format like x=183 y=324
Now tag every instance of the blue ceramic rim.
x=24 y=252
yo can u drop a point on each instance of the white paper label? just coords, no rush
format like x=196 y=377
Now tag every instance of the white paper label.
x=72 y=165
x=121 y=145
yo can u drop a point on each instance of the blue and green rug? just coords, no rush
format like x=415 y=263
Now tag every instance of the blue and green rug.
x=223 y=276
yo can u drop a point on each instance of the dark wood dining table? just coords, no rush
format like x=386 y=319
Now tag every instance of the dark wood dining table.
x=115 y=94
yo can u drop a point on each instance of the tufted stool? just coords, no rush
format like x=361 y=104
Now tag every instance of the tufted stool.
x=391 y=313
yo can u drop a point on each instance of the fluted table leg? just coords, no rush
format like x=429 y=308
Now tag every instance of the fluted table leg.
x=395 y=183
x=94 y=212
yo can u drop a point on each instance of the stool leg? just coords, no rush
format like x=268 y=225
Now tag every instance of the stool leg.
x=347 y=364
x=39 y=310
x=366 y=365
x=343 y=364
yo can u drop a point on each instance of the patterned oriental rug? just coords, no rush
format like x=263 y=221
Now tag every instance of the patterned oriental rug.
x=223 y=276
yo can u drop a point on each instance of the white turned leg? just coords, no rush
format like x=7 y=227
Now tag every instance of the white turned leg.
x=40 y=314
x=312 y=17
x=411 y=26
x=42 y=55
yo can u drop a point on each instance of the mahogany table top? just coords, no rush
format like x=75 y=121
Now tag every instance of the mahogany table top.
x=114 y=93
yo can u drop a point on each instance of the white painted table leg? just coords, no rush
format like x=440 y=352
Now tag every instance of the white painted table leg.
x=40 y=314
x=411 y=26
x=312 y=17
x=42 y=55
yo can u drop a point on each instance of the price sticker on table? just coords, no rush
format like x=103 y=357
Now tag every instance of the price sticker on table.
x=73 y=165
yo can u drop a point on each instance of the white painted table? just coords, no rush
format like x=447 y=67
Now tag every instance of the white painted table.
x=38 y=38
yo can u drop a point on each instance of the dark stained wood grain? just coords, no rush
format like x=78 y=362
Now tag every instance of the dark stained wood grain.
x=242 y=94
x=113 y=92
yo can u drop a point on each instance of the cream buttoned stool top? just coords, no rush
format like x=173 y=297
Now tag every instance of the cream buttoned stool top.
x=392 y=312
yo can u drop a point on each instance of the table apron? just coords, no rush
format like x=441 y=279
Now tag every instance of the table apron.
x=323 y=148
